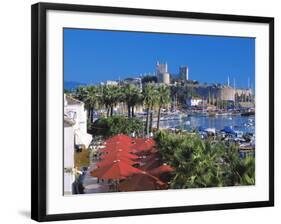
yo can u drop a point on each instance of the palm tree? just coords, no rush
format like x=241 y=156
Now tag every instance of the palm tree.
x=149 y=97
x=177 y=94
x=132 y=97
x=115 y=98
x=154 y=101
x=201 y=163
x=105 y=98
x=137 y=100
x=163 y=99
x=91 y=100
x=241 y=171
x=80 y=93
x=111 y=96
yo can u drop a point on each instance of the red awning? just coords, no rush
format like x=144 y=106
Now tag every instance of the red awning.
x=118 y=170
x=118 y=143
x=118 y=155
x=161 y=169
x=151 y=164
x=151 y=157
x=119 y=138
x=108 y=162
x=116 y=149
x=143 y=145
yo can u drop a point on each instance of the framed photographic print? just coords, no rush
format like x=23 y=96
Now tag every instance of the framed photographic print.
x=140 y=111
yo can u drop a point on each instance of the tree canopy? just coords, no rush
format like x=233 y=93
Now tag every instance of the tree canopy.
x=201 y=163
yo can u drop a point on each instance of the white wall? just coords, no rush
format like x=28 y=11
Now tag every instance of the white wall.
x=15 y=95
x=68 y=147
x=79 y=114
x=68 y=158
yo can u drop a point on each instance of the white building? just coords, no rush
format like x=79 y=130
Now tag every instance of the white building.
x=194 y=102
x=111 y=82
x=75 y=133
x=74 y=109
x=69 y=176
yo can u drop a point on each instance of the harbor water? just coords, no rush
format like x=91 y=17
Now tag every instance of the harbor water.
x=246 y=124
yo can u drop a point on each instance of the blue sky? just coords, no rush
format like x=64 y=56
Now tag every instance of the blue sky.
x=93 y=56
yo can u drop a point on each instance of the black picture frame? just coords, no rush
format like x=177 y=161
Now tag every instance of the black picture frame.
x=39 y=115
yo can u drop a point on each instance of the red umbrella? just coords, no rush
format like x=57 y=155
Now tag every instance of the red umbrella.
x=118 y=143
x=141 y=182
x=151 y=156
x=118 y=155
x=161 y=169
x=151 y=163
x=145 y=145
x=110 y=162
x=119 y=138
x=116 y=149
x=138 y=140
x=118 y=170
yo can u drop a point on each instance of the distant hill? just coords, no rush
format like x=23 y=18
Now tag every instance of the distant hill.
x=71 y=85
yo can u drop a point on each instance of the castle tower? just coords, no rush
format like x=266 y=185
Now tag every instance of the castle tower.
x=184 y=73
x=162 y=73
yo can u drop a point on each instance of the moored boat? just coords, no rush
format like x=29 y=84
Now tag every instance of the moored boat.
x=248 y=113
